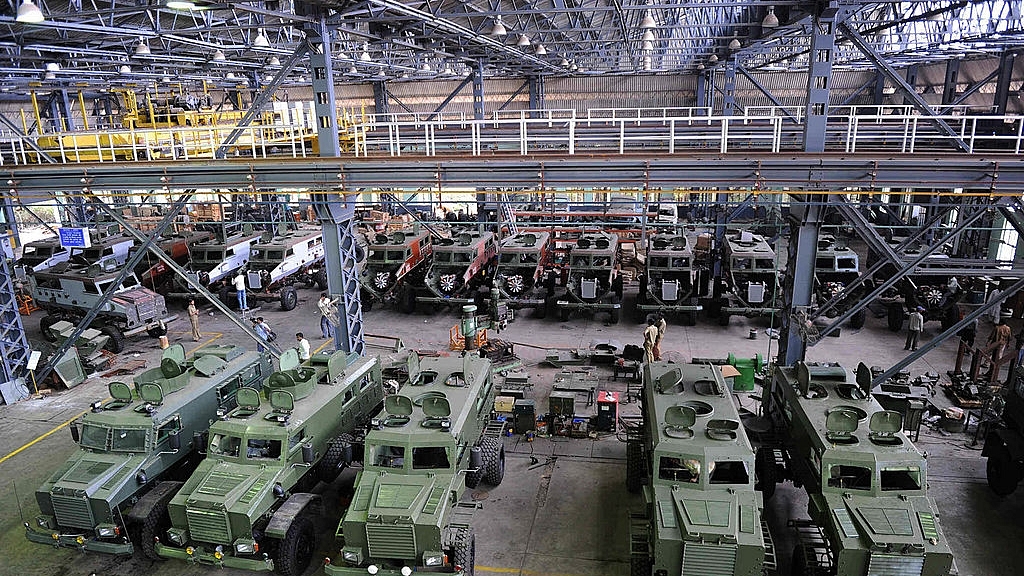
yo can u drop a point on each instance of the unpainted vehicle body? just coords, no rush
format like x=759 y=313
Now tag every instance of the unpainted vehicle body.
x=43 y=254
x=154 y=273
x=866 y=482
x=752 y=285
x=129 y=444
x=667 y=284
x=523 y=277
x=594 y=282
x=835 y=267
x=393 y=261
x=48 y=253
x=460 y=265
x=929 y=291
x=211 y=263
x=71 y=294
x=277 y=264
x=694 y=464
x=1004 y=445
x=248 y=503
x=432 y=441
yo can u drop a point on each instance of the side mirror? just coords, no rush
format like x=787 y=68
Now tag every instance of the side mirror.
x=74 y=432
x=307 y=453
x=174 y=440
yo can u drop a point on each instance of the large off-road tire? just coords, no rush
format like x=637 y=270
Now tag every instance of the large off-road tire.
x=641 y=295
x=494 y=461
x=950 y=317
x=723 y=318
x=154 y=525
x=614 y=315
x=289 y=298
x=798 y=562
x=563 y=314
x=116 y=341
x=634 y=467
x=858 y=319
x=1002 y=472
x=228 y=297
x=337 y=456
x=44 y=325
x=765 y=472
x=321 y=280
x=407 y=300
x=895 y=317
x=464 y=552
x=295 y=551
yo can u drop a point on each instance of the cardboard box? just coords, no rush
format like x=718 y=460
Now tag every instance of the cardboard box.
x=504 y=403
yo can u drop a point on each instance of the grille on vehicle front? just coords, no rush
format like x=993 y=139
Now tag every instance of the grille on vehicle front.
x=390 y=541
x=208 y=526
x=72 y=512
x=895 y=565
x=705 y=559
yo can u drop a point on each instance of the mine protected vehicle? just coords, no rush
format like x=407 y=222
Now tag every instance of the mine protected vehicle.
x=432 y=441
x=867 y=484
x=524 y=277
x=927 y=287
x=594 y=282
x=248 y=504
x=392 y=261
x=70 y=295
x=277 y=264
x=137 y=446
x=214 y=262
x=667 y=284
x=460 y=265
x=836 y=266
x=693 y=463
x=1004 y=445
x=752 y=285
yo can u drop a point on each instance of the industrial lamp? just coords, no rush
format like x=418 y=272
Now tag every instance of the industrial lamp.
x=218 y=55
x=523 y=41
x=647 y=22
x=261 y=40
x=770 y=19
x=541 y=50
x=29 y=13
x=142 y=49
x=498 y=29
x=274 y=61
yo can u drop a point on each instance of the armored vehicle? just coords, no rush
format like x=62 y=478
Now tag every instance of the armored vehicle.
x=867 y=489
x=102 y=497
x=523 y=276
x=431 y=442
x=42 y=254
x=751 y=281
x=393 y=260
x=667 y=284
x=594 y=282
x=212 y=262
x=277 y=264
x=835 y=267
x=152 y=271
x=461 y=264
x=248 y=503
x=49 y=254
x=1004 y=445
x=927 y=287
x=70 y=295
x=695 y=465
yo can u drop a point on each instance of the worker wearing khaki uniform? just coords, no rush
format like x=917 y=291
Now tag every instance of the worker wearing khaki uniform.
x=661 y=325
x=650 y=339
x=193 y=318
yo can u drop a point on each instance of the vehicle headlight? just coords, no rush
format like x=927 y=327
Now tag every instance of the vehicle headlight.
x=177 y=536
x=46 y=522
x=352 y=555
x=432 y=559
x=106 y=530
x=246 y=546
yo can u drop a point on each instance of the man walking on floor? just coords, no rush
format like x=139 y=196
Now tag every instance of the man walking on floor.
x=328 y=315
x=650 y=337
x=914 y=327
x=661 y=325
x=193 y=318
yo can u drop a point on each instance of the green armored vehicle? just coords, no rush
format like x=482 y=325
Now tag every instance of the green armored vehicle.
x=431 y=442
x=103 y=493
x=694 y=464
x=866 y=482
x=667 y=284
x=594 y=281
x=248 y=504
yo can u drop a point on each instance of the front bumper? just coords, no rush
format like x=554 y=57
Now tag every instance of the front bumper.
x=204 y=555
x=349 y=570
x=120 y=546
x=588 y=305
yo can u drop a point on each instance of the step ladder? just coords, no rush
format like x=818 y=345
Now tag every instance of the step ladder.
x=507 y=215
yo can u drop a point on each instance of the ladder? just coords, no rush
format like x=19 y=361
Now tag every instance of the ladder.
x=507 y=215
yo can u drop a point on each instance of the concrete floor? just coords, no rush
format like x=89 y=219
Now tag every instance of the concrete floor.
x=565 y=515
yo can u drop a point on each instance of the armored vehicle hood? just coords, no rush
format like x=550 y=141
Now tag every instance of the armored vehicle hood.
x=711 y=515
x=230 y=486
x=888 y=523
x=96 y=475
x=390 y=498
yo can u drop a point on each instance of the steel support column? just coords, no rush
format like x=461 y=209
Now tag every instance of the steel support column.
x=14 y=346
x=911 y=78
x=380 y=98
x=478 y=90
x=798 y=284
x=729 y=88
x=950 y=82
x=1002 y=94
x=333 y=207
x=702 y=90
x=819 y=79
x=536 y=92
x=879 y=88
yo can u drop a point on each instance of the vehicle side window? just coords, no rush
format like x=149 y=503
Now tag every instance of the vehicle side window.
x=679 y=469
x=170 y=426
x=729 y=472
x=849 y=477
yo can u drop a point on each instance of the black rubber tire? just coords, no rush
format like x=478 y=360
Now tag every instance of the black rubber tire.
x=541 y=312
x=493 y=454
x=723 y=318
x=337 y=456
x=154 y=525
x=289 y=298
x=116 y=342
x=1002 y=472
x=640 y=565
x=407 y=300
x=798 y=562
x=464 y=554
x=634 y=467
x=617 y=287
x=614 y=315
x=895 y=317
x=858 y=319
x=321 y=280
x=764 y=472
x=295 y=551
x=641 y=295
x=44 y=325
x=563 y=314
x=227 y=297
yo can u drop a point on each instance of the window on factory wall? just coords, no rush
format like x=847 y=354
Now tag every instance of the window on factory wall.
x=1007 y=243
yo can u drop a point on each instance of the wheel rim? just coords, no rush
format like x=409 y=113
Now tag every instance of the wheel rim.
x=515 y=284
x=380 y=280
x=447 y=283
x=304 y=549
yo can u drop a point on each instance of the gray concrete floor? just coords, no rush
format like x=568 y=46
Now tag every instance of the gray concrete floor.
x=566 y=515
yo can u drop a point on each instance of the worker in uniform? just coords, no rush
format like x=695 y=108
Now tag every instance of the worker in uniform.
x=661 y=325
x=914 y=327
x=650 y=339
x=193 y=318
x=328 y=315
x=997 y=342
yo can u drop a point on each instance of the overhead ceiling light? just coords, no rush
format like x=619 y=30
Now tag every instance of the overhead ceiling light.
x=166 y=79
x=524 y=41
x=425 y=67
x=180 y=4
x=273 y=61
x=564 y=63
x=713 y=58
x=498 y=29
x=268 y=78
x=647 y=45
x=648 y=36
x=541 y=50
x=218 y=55
x=261 y=40
x=229 y=76
x=700 y=66
x=125 y=69
x=734 y=44
x=29 y=13
x=52 y=67
x=648 y=63
x=353 y=70
x=647 y=21
x=770 y=19
x=365 y=56
x=574 y=67
x=142 y=49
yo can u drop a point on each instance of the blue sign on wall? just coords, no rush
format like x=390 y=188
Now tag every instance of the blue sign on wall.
x=75 y=237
